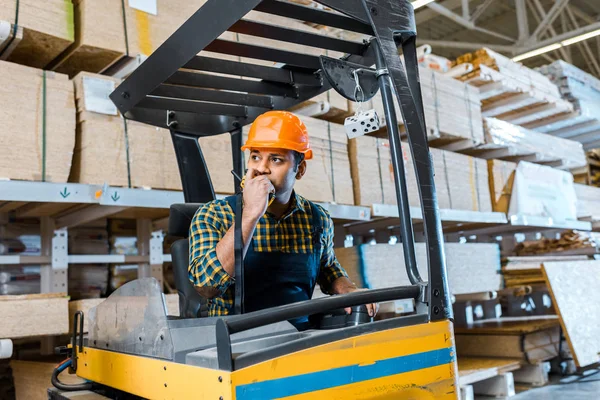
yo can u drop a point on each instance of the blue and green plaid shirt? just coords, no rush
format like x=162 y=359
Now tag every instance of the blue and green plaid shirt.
x=291 y=234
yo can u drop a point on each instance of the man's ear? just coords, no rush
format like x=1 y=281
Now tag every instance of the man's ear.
x=301 y=170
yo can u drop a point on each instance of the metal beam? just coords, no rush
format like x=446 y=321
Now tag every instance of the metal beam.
x=522 y=21
x=465 y=10
x=559 y=38
x=551 y=15
x=467 y=45
x=465 y=22
x=480 y=10
x=584 y=47
x=537 y=6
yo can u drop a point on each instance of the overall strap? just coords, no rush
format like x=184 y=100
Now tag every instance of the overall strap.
x=317 y=227
x=236 y=202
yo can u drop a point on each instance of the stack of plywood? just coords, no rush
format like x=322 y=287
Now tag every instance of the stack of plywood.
x=327 y=177
x=461 y=181
x=511 y=91
x=37 y=114
x=452 y=111
x=34 y=315
x=583 y=91
x=38 y=31
x=108 y=147
x=519 y=271
x=530 y=339
x=507 y=141
x=370 y=266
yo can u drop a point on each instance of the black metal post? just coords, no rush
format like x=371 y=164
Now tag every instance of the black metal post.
x=238 y=157
x=406 y=228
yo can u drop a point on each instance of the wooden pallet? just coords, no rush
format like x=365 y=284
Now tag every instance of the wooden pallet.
x=486 y=376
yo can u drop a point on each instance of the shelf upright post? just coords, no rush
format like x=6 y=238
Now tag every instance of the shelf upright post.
x=149 y=244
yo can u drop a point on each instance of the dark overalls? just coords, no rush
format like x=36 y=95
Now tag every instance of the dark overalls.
x=275 y=278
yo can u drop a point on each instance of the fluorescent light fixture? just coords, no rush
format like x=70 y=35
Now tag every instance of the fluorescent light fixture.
x=558 y=45
x=420 y=3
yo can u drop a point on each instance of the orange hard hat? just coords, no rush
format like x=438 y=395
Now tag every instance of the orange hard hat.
x=279 y=130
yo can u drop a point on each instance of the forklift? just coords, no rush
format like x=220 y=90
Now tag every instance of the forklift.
x=132 y=349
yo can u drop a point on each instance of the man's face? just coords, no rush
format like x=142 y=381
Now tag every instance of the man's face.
x=279 y=165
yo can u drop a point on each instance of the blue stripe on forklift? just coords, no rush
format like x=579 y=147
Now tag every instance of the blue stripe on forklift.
x=294 y=385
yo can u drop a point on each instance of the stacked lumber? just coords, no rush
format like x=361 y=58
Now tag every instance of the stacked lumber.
x=527 y=270
x=569 y=241
x=574 y=289
x=461 y=181
x=452 y=111
x=528 y=339
x=37 y=315
x=37 y=31
x=369 y=266
x=511 y=91
x=510 y=142
x=37 y=111
x=583 y=91
x=327 y=177
x=127 y=153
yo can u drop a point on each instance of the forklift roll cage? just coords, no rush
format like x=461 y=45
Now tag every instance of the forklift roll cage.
x=172 y=90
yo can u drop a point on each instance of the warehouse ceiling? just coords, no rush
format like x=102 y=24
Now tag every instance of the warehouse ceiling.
x=513 y=27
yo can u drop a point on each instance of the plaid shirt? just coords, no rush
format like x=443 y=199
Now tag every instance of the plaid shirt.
x=291 y=235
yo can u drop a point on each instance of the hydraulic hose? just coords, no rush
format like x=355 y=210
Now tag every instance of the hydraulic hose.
x=67 y=388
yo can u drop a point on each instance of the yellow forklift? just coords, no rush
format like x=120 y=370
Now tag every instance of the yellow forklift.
x=134 y=350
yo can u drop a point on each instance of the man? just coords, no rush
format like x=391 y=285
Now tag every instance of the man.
x=288 y=240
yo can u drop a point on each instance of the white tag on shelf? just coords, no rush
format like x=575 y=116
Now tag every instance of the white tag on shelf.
x=96 y=92
x=148 y=6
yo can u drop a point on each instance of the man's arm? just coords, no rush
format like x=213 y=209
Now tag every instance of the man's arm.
x=212 y=257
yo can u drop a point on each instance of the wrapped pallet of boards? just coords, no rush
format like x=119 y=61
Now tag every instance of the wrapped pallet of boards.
x=34 y=32
x=452 y=110
x=461 y=181
x=369 y=266
x=327 y=177
x=131 y=154
x=37 y=113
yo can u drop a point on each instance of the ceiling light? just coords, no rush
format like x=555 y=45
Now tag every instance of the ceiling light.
x=558 y=45
x=420 y=3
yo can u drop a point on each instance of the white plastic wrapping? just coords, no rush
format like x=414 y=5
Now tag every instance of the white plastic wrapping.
x=520 y=142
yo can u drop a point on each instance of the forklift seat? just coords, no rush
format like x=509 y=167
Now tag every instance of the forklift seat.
x=191 y=304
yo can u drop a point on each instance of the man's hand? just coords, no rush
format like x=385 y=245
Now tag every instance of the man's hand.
x=373 y=308
x=256 y=194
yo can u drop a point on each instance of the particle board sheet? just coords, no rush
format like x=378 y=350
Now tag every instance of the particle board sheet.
x=574 y=290
x=47 y=29
x=476 y=369
x=328 y=177
x=27 y=130
x=501 y=175
x=529 y=339
x=369 y=266
x=115 y=151
x=461 y=181
x=32 y=379
x=452 y=109
x=34 y=315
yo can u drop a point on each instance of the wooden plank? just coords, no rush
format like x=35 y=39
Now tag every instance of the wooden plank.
x=574 y=290
x=501 y=386
x=11 y=41
x=475 y=369
x=37 y=315
x=32 y=379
